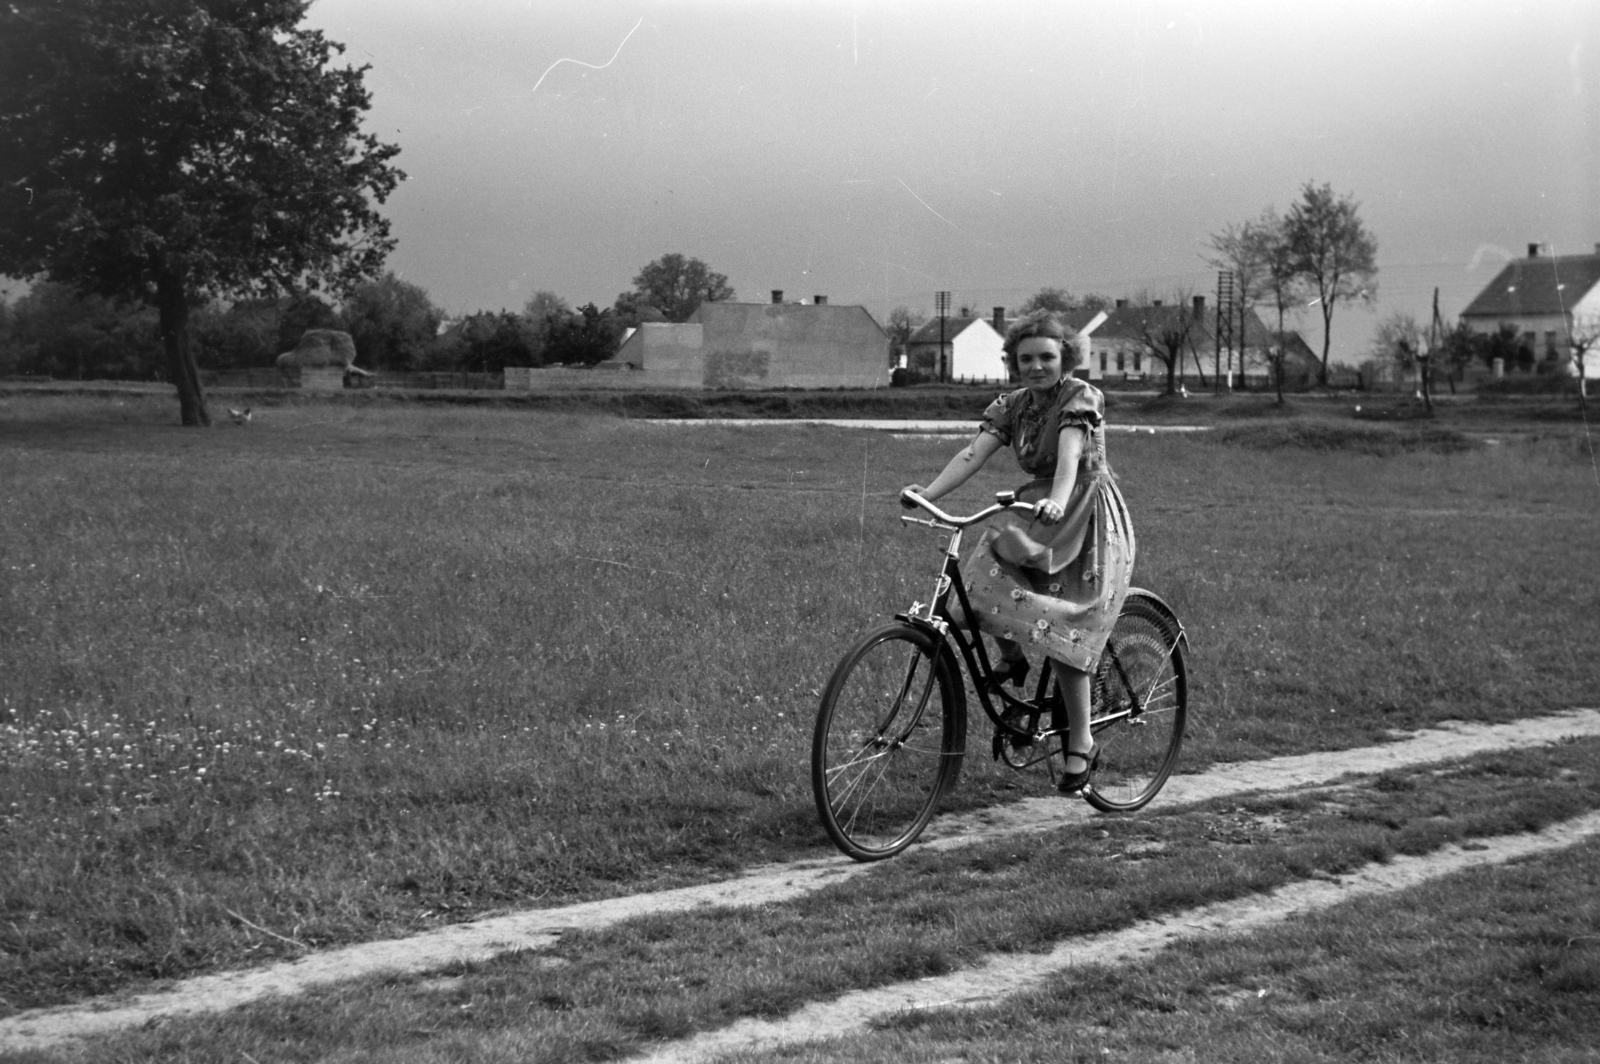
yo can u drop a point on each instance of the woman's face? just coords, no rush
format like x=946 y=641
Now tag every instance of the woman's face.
x=1039 y=362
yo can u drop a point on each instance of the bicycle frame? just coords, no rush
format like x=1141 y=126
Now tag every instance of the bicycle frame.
x=937 y=617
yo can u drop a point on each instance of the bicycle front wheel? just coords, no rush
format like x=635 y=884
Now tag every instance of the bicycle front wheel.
x=1140 y=708
x=889 y=740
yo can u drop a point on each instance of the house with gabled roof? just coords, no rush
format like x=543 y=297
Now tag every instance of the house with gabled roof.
x=1120 y=347
x=971 y=348
x=1546 y=298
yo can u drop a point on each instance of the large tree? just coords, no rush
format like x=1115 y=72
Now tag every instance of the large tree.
x=392 y=322
x=1334 y=253
x=1056 y=299
x=1062 y=301
x=1167 y=330
x=171 y=151
x=59 y=331
x=676 y=286
x=1281 y=282
x=582 y=337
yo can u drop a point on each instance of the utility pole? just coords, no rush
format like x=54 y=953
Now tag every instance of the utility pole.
x=941 y=303
x=1224 y=329
x=1426 y=355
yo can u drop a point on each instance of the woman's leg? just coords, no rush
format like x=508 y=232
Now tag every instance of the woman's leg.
x=1075 y=694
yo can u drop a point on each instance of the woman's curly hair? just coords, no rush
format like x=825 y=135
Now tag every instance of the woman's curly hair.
x=1048 y=324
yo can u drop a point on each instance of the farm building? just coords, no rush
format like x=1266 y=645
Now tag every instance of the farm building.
x=1549 y=300
x=1123 y=346
x=971 y=348
x=758 y=345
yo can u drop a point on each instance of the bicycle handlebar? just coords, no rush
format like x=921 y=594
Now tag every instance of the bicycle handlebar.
x=1003 y=500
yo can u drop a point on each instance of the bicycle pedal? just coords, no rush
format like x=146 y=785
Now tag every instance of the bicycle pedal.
x=1004 y=740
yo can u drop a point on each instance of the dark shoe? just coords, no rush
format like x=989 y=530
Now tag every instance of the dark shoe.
x=1074 y=781
x=1012 y=671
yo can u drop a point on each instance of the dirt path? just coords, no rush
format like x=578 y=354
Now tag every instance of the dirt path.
x=1003 y=975
x=485 y=938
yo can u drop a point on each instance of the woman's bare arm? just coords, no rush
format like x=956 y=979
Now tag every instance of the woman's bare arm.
x=967 y=461
x=1069 y=451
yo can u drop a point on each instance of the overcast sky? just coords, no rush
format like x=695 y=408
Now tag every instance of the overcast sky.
x=876 y=151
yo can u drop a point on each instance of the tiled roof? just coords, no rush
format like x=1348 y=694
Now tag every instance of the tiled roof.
x=928 y=333
x=1545 y=285
x=1132 y=323
x=789 y=319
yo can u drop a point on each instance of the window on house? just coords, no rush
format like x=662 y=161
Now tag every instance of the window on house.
x=1102 y=362
x=1138 y=362
x=1120 y=366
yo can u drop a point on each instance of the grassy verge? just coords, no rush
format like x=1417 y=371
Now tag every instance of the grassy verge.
x=1487 y=966
x=1469 y=411
x=601 y=996
x=355 y=671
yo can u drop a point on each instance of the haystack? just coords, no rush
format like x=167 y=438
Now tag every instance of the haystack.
x=321 y=349
x=325 y=358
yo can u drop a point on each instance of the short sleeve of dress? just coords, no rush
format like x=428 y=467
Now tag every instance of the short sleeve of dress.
x=1084 y=406
x=998 y=419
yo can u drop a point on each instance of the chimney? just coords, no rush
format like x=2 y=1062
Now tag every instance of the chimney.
x=777 y=295
x=819 y=301
x=1533 y=251
x=1200 y=307
x=999 y=320
x=1122 y=302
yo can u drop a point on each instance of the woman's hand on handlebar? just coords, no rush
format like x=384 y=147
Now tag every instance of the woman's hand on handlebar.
x=907 y=503
x=1048 y=510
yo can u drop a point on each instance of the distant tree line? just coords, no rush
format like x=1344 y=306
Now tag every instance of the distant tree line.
x=57 y=330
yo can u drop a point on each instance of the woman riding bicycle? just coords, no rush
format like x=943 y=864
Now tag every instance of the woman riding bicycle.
x=1059 y=580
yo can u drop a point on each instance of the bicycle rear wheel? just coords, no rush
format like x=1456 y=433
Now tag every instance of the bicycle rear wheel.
x=890 y=735
x=1139 y=708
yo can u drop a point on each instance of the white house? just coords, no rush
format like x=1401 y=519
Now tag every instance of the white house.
x=1551 y=300
x=971 y=352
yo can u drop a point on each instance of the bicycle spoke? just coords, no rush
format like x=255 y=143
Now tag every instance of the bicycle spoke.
x=885 y=748
x=1140 y=709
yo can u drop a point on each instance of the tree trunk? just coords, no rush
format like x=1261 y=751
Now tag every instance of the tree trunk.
x=1277 y=366
x=1199 y=369
x=1327 y=335
x=173 y=306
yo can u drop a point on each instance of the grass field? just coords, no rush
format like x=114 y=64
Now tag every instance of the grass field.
x=355 y=670
x=1485 y=965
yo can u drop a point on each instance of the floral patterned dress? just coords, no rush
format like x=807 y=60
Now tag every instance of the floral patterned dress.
x=1057 y=587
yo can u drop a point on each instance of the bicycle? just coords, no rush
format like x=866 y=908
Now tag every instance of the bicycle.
x=891 y=730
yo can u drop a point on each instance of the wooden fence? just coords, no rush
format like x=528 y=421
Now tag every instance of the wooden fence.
x=428 y=381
